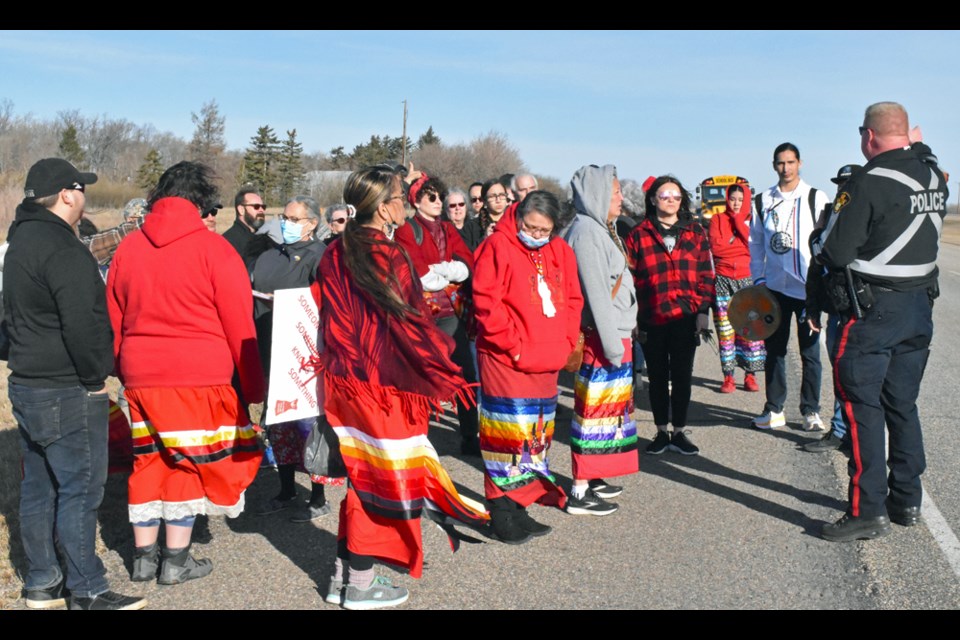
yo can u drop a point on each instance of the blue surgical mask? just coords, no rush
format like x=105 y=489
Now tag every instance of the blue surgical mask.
x=292 y=231
x=530 y=242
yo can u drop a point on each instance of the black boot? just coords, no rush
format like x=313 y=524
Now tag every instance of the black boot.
x=146 y=563
x=179 y=566
x=530 y=525
x=504 y=522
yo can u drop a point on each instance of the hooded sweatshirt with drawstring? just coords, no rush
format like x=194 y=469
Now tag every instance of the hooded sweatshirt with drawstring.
x=181 y=305
x=600 y=262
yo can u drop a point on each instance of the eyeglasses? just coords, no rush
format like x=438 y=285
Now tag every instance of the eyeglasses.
x=536 y=232
x=669 y=195
x=496 y=196
x=477 y=199
x=339 y=221
x=288 y=219
x=399 y=196
x=207 y=214
x=78 y=187
x=256 y=206
x=456 y=205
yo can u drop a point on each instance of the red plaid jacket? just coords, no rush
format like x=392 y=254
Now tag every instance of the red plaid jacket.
x=670 y=285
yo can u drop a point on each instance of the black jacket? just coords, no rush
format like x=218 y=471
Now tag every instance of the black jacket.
x=54 y=304
x=888 y=220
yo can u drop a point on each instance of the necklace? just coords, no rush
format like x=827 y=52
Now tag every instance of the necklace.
x=781 y=242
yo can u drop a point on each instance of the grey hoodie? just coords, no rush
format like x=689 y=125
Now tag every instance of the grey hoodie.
x=600 y=262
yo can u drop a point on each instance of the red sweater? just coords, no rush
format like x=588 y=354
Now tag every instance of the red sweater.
x=181 y=306
x=508 y=309
x=730 y=239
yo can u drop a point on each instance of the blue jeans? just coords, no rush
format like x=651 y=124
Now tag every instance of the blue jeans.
x=832 y=335
x=63 y=437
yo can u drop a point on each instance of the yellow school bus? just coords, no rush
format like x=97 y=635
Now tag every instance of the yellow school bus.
x=713 y=195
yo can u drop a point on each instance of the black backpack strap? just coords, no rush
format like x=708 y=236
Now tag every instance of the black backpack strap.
x=417 y=230
x=812 y=202
x=758 y=206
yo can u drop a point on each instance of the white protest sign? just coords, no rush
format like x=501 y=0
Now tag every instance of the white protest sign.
x=293 y=388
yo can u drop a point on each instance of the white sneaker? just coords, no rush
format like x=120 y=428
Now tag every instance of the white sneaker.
x=770 y=420
x=812 y=422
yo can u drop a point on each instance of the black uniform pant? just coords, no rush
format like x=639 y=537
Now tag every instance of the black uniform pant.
x=775 y=371
x=879 y=363
x=467 y=415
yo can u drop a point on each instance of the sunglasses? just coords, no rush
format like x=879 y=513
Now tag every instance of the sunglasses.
x=456 y=205
x=432 y=197
x=478 y=199
x=206 y=214
x=257 y=207
x=78 y=187
x=339 y=221
x=669 y=195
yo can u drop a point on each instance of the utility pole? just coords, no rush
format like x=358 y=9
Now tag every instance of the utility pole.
x=403 y=140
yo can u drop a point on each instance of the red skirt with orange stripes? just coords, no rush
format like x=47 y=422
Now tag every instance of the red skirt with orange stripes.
x=195 y=452
x=394 y=471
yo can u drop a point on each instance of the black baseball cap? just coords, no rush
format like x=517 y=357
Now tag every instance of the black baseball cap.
x=50 y=175
x=845 y=172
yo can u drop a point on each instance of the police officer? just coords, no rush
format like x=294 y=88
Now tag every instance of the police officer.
x=888 y=221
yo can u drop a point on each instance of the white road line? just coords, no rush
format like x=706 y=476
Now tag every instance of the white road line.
x=956 y=273
x=941 y=532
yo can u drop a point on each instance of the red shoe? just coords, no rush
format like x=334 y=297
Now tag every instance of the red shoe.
x=728 y=386
x=750 y=383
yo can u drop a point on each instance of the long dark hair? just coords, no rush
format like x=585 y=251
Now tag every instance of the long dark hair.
x=650 y=198
x=366 y=190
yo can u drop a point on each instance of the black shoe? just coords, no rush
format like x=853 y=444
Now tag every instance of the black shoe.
x=604 y=489
x=470 y=447
x=682 y=445
x=107 y=601
x=849 y=528
x=146 y=563
x=530 y=525
x=829 y=442
x=659 y=444
x=589 y=505
x=504 y=524
x=179 y=566
x=904 y=516
x=49 y=598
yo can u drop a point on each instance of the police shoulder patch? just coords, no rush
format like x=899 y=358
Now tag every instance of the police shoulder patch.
x=843 y=199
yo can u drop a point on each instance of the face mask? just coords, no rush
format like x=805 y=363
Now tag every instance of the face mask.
x=530 y=242
x=292 y=231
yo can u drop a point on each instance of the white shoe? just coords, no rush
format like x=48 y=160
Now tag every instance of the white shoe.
x=770 y=420
x=812 y=422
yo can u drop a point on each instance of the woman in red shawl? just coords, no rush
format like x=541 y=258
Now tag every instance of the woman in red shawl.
x=730 y=245
x=386 y=365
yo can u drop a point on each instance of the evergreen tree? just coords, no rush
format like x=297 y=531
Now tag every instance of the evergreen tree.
x=70 y=147
x=150 y=171
x=260 y=163
x=290 y=170
x=208 y=141
x=338 y=159
x=429 y=137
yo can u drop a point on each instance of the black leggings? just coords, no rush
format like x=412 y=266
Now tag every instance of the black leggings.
x=669 y=351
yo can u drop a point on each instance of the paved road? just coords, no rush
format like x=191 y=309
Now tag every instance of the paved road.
x=735 y=527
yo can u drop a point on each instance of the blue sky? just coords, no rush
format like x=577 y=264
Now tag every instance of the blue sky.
x=689 y=103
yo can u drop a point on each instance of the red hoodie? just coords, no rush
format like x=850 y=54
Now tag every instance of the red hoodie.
x=730 y=238
x=509 y=311
x=181 y=306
